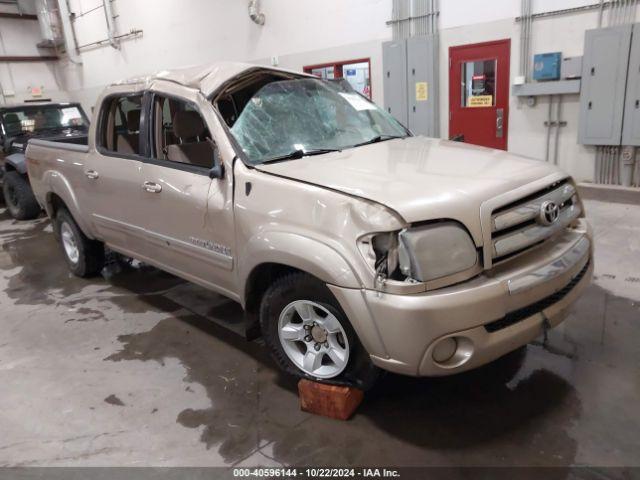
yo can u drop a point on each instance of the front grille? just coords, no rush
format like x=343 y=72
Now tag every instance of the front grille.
x=518 y=226
x=516 y=316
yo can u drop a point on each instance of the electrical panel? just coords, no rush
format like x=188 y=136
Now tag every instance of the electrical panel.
x=604 y=77
x=631 y=126
x=421 y=86
x=410 y=83
x=571 y=68
x=546 y=66
x=394 y=60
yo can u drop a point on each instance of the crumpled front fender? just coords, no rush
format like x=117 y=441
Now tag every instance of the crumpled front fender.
x=18 y=161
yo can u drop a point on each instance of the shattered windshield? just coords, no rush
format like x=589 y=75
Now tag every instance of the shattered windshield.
x=307 y=115
x=45 y=117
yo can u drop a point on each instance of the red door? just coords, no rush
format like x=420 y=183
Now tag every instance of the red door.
x=479 y=93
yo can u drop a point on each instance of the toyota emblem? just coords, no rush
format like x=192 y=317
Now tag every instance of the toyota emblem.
x=549 y=213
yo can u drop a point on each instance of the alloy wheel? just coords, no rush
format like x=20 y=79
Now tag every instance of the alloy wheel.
x=313 y=338
x=69 y=243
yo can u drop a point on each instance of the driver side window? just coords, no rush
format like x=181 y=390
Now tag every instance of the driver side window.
x=180 y=133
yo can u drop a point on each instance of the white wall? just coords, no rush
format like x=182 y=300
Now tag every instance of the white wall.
x=527 y=133
x=209 y=30
x=19 y=38
x=304 y=32
x=456 y=13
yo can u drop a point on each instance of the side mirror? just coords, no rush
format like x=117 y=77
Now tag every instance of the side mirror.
x=217 y=171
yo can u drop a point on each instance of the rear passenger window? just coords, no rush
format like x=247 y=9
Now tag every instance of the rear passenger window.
x=121 y=125
x=180 y=133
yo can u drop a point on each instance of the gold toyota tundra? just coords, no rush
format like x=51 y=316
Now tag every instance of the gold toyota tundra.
x=350 y=243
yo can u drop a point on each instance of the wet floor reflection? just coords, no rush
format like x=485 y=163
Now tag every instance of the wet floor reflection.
x=539 y=406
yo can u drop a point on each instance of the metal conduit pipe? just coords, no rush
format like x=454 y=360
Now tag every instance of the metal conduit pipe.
x=612 y=8
x=627 y=12
x=558 y=126
x=612 y=166
x=111 y=26
x=548 y=142
x=527 y=37
x=527 y=24
x=521 y=71
x=255 y=14
x=433 y=8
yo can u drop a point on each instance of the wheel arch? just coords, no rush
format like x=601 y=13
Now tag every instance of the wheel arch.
x=61 y=195
x=276 y=251
x=16 y=162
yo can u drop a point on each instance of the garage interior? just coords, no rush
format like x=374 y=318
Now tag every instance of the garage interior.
x=137 y=367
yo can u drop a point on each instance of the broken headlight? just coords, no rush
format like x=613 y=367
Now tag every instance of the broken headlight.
x=421 y=254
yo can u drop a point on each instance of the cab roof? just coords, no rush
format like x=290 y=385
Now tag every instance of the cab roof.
x=35 y=104
x=206 y=78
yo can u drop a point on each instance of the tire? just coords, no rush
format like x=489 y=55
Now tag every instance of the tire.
x=84 y=257
x=279 y=316
x=19 y=198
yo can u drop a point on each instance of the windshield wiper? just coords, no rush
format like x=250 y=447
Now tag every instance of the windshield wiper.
x=297 y=154
x=377 y=139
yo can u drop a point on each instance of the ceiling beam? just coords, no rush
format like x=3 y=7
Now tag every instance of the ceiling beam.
x=25 y=58
x=18 y=16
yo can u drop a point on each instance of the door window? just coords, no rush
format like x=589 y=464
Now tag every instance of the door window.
x=120 y=125
x=479 y=93
x=353 y=75
x=181 y=135
x=478 y=84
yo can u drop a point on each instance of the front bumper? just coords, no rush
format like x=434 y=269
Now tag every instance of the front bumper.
x=488 y=316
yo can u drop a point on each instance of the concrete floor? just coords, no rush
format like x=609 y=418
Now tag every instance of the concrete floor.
x=131 y=370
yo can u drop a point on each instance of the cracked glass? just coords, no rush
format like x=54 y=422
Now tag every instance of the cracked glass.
x=304 y=115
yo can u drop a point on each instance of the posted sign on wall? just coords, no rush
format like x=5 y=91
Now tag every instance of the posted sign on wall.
x=480 y=101
x=422 y=91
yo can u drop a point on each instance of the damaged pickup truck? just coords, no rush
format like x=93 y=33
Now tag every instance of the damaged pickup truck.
x=65 y=122
x=351 y=244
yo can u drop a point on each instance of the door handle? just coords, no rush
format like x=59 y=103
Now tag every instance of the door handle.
x=92 y=174
x=499 y=122
x=152 y=187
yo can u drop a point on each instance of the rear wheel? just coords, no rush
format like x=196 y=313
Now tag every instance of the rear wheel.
x=310 y=336
x=19 y=198
x=84 y=256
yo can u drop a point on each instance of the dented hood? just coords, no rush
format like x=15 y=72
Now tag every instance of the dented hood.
x=420 y=178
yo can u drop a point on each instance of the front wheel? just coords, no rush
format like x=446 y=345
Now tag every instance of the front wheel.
x=19 y=198
x=85 y=257
x=310 y=336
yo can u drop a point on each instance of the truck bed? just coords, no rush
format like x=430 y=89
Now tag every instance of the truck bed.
x=75 y=144
x=54 y=166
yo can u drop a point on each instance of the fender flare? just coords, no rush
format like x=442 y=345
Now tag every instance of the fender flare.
x=315 y=258
x=17 y=161
x=58 y=184
x=297 y=251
